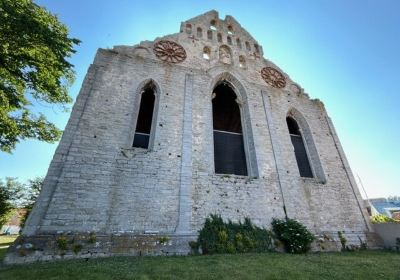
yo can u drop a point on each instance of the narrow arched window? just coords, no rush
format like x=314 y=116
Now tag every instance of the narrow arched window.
x=213 y=25
x=248 y=46
x=229 y=40
x=188 y=28
x=230 y=30
x=209 y=35
x=206 y=53
x=145 y=118
x=242 y=61
x=238 y=43
x=219 y=36
x=299 y=148
x=229 y=152
x=199 y=32
x=256 y=48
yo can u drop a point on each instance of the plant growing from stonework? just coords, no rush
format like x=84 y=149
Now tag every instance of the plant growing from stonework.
x=343 y=240
x=92 y=238
x=296 y=237
x=163 y=240
x=62 y=243
x=77 y=248
x=217 y=237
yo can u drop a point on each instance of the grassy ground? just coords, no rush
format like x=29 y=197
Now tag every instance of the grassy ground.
x=358 y=265
x=5 y=241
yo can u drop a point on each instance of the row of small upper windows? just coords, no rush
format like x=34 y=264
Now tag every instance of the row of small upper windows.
x=207 y=56
x=210 y=36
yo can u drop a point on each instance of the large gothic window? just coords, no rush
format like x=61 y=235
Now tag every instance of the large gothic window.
x=229 y=152
x=145 y=117
x=299 y=148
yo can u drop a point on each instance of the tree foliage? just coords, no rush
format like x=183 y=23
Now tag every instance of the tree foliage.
x=15 y=194
x=5 y=206
x=34 y=47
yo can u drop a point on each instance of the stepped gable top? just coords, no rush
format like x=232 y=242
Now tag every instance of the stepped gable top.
x=229 y=25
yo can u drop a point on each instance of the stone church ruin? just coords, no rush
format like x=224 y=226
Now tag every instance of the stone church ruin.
x=168 y=131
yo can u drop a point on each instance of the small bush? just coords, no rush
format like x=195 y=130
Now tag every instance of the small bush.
x=163 y=240
x=62 y=243
x=380 y=218
x=218 y=237
x=92 y=238
x=194 y=246
x=77 y=248
x=343 y=240
x=296 y=238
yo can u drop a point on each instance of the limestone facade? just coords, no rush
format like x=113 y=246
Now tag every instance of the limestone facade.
x=97 y=182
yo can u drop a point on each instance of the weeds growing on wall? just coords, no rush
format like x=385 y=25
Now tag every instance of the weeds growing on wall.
x=217 y=237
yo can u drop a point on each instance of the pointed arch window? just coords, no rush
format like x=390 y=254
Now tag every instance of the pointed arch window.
x=229 y=151
x=300 y=150
x=145 y=117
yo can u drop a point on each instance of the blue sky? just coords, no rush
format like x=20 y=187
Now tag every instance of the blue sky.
x=345 y=53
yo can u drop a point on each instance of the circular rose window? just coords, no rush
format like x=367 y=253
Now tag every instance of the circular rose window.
x=169 y=51
x=273 y=77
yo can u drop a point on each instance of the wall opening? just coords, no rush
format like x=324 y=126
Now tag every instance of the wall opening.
x=188 y=28
x=242 y=61
x=229 y=151
x=229 y=40
x=145 y=117
x=248 y=46
x=219 y=36
x=256 y=48
x=230 y=30
x=206 y=53
x=300 y=151
x=213 y=25
x=238 y=43
x=199 y=32
x=209 y=35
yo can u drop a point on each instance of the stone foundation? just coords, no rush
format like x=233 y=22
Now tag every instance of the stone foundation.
x=53 y=247
x=69 y=246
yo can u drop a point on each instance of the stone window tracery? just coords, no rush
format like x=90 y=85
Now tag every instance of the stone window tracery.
x=225 y=54
x=169 y=51
x=273 y=77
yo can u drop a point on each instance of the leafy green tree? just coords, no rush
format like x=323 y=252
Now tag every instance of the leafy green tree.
x=14 y=195
x=34 y=47
x=34 y=187
x=5 y=206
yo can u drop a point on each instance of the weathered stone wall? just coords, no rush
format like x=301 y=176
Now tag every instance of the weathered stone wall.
x=98 y=182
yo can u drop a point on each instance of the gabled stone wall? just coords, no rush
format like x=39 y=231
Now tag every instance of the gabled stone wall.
x=98 y=183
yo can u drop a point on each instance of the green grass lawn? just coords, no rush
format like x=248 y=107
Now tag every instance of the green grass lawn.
x=357 y=265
